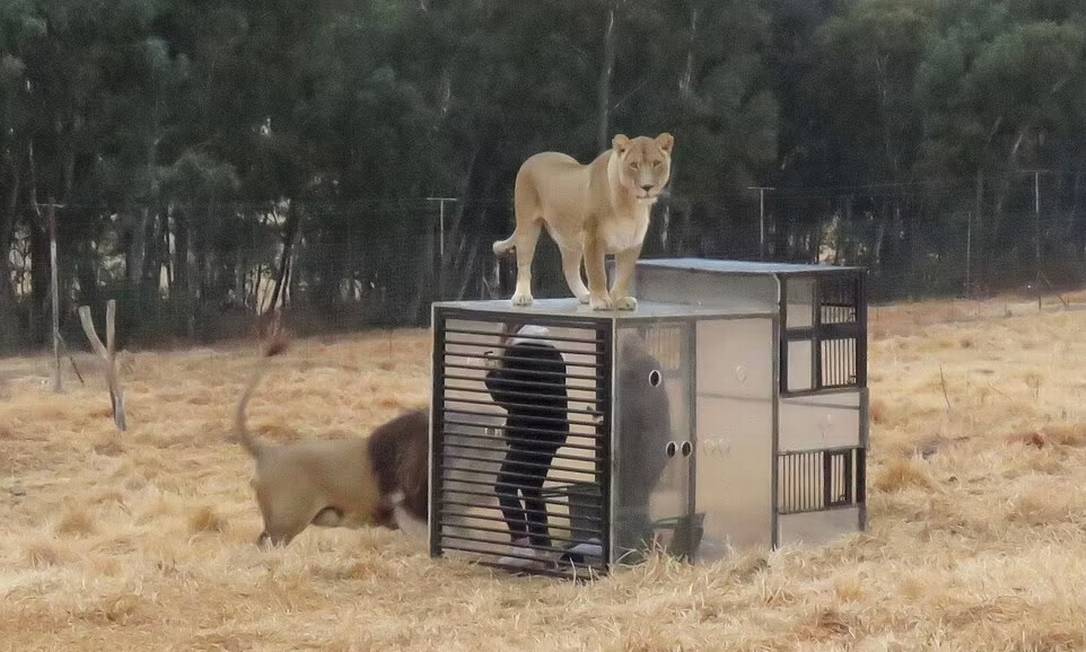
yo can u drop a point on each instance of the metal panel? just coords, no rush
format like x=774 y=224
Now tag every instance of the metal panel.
x=817 y=528
x=652 y=448
x=520 y=441
x=820 y=421
x=739 y=293
x=734 y=434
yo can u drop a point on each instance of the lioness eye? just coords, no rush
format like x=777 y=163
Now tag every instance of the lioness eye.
x=633 y=166
x=656 y=164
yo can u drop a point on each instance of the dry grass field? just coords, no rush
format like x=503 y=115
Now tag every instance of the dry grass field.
x=145 y=540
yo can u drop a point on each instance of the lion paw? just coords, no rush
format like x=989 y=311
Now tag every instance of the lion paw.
x=626 y=303
x=520 y=299
x=583 y=298
x=601 y=303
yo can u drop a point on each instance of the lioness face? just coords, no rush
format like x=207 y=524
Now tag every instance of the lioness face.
x=645 y=164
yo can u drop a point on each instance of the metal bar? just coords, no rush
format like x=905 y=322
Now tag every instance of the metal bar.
x=816 y=338
x=490 y=541
x=534 y=465
x=545 y=499
x=498 y=345
x=514 y=474
x=832 y=449
x=828 y=331
x=831 y=508
x=510 y=381
x=491 y=483
x=521 y=440
x=605 y=389
x=483 y=528
x=504 y=427
x=774 y=525
x=436 y=429
x=540 y=322
x=557 y=456
x=827 y=480
x=498 y=414
x=472 y=401
x=516 y=394
x=520 y=358
x=558 y=374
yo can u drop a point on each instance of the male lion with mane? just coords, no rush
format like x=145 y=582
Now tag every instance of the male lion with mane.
x=589 y=211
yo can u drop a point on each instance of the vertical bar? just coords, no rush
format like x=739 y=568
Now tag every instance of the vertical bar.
x=605 y=395
x=774 y=394
x=689 y=352
x=816 y=339
x=437 y=427
x=782 y=337
x=861 y=337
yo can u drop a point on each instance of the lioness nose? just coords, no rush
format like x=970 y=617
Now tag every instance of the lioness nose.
x=647 y=188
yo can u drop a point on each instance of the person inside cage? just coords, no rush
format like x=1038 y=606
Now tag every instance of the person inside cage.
x=526 y=378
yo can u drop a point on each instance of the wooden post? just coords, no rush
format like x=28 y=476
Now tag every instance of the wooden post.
x=108 y=353
x=55 y=291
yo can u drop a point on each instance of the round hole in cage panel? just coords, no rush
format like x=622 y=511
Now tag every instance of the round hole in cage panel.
x=687 y=448
x=670 y=449
x=741 y=373
x=655 y=378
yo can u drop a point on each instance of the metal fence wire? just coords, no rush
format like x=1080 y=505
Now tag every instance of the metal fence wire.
x=205 y=271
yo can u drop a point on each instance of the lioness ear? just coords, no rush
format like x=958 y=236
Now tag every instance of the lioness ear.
x=620 y=142
x=666 y=141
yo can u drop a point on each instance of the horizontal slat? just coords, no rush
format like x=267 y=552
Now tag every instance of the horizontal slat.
x=561 y=539
x=503 y=427
x=570 y=572
x=454 y=410
x=481 y=483
x=515 y=475
x=549 y=338
x=547 y=408
x=511 y=381
x=519 y=358
x=445 y=535
x=519 y=394
x=531 y=465
x=554 y=374
x=521 y=440
x=498 y=345
x=502 y=519
x=557 y=456
x=547 y=492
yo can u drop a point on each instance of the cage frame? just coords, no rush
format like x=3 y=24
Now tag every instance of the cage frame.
x=549 y=313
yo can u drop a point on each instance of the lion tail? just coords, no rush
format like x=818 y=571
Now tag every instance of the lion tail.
x=504 y=246
x=241 y=429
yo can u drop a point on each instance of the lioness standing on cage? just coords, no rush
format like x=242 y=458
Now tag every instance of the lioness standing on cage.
x=589 y=211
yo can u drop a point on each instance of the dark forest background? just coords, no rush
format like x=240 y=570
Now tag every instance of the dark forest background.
x=206 y=160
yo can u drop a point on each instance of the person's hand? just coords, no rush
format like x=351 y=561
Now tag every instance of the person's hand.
x=491 y=360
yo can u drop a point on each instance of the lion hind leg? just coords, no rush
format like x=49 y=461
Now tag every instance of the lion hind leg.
x=571 y=268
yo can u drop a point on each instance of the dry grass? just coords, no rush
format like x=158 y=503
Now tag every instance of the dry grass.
x=145 y=540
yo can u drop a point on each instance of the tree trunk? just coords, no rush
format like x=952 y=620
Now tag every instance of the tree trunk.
x=603 y=91
x=9 y=331
x=181 y=294
x=290 y=228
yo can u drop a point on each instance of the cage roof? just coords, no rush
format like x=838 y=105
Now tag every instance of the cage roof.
x=646 y=310
x=742 y=266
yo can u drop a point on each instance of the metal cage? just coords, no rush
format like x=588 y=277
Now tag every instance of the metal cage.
x=728 y=411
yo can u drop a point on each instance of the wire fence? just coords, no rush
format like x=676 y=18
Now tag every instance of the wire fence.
x=208 y=271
